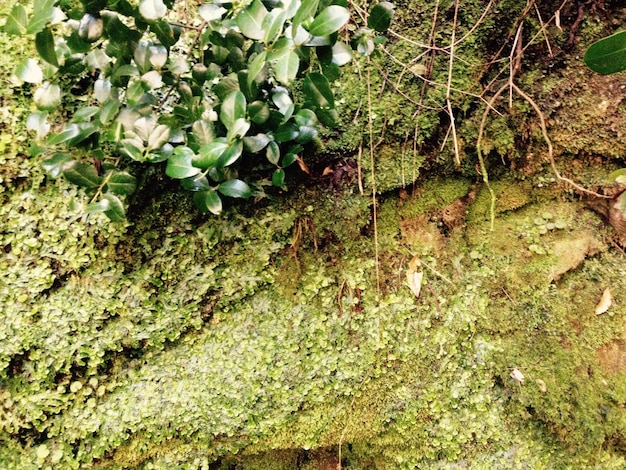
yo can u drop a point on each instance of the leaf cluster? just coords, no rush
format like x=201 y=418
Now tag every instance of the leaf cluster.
x=200 y=96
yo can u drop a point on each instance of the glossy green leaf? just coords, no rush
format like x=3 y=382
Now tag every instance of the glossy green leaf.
x=273 y=153
x=259 y=112
x=28 y=71
x=256 y=143
x=121 y=182
x=380 y=17
x=305 y=117
x=255 y=67
x=82 y=174
x=278 y=178
x=152 y=10
x=17 y=21
x=98 y=206
x=317 y=91
x=85 y=132
x=307 y=10
x=328 y=117
x=238 y=130
x=231 y=154
x=198 y=182
x=306 y=134
x=70 y=132
x=284 y=60
x=179 y=165
x=47 y=96
x=235 y=188
x=203 y=131
x=289 y=159
x=209 y=154
x=85 y=114
x=233 y=108
x=54 y=165
x=44 y=43
x=342 y=54
x=115 y=211
x=330 y=20
x=208 y=201
x=158 y=137
x=250 y=20
x=607 y=55
x=273 y=25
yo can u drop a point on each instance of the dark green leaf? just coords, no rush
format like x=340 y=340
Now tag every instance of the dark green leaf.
x=259 y=112
x=235 y=188
x=329 y=21
x=289 y=159
x=256 y=66
x=166 y=34
x=196 y=183
x=115 y=212
x=121 y=182
x=317 y=91
x=305 y=117
x=54 y=165
x=130 y=150
x=109 y=111
x=86 y=131
x=380 y=17
x=328 y=117
x=306 y=134
x=44 y=43
x=278 y=178
x=285 y=61
x=82 y=174
x=608 y=55
x=286 y=132
x=179 y=165
x=238 y=130
x=231 y=154
x=226 y=86
x=17 y=21
x=209 y=154
x=208 y=201
x=250 y=20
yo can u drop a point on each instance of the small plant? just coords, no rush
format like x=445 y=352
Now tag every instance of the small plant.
x=201 y=94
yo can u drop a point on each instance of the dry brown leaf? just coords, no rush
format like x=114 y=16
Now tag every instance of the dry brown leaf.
x=605 y=302
x=327 y=171
x=302 y=165
x=414 y=277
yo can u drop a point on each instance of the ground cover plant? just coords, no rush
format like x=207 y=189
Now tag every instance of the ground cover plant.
x=323 y=327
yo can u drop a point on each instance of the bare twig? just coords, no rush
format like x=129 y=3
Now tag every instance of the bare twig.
x=457 y=155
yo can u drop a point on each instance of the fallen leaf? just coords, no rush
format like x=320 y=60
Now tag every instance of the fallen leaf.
x=542 y=386
x=302 y=165
x=415 y=281
x=327 y=171
x=605 y=302
x=414 y=277
x=517 y=375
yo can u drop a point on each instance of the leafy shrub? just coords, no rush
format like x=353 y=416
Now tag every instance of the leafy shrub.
x=201 y=93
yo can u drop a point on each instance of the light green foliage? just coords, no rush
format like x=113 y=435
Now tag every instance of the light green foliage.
x=238 y=341
x=203 y=98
